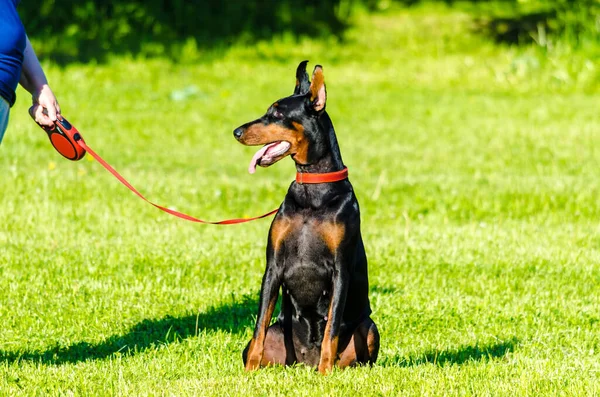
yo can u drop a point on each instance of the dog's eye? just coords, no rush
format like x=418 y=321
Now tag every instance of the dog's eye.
x=277 y=114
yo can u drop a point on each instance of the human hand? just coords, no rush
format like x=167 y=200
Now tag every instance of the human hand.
x=45 y=109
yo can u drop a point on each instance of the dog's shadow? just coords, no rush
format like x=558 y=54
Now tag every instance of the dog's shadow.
x=460 y=356
x=233 y=317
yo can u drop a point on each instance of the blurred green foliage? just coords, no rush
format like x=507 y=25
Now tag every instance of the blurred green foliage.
x=523 y=21
x=89 y=29
x=68 y=30
x=576 y=22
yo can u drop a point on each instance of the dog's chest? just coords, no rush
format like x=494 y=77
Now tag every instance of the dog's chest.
x=304 y=247
x=305 y=239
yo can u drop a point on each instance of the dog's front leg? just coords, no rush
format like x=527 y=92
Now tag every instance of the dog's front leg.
x=329 y=347
x=269 y=293
x=341 y=239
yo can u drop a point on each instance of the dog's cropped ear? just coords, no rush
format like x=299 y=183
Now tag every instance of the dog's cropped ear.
x=317 y=92
x=302 y=83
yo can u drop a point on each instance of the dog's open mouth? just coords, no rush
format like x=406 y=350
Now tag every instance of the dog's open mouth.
x=268 y=154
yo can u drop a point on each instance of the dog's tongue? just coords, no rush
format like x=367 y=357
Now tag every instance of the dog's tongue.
x=258 y=155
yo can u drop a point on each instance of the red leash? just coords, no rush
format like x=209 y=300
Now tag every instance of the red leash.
x=178 y=214
x=70 y=144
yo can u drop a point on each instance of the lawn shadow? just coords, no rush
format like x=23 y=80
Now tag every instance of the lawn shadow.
x=384 y=290
x=463 y=355
x=517 y=29
x=233 y=317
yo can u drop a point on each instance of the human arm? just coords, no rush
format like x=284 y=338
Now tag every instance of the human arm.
x=34 y=80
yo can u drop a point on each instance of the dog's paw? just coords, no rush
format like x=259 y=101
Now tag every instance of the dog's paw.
x=253 y=363
x=325 y=365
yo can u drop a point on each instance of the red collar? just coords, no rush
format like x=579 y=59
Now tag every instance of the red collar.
x=305 y=177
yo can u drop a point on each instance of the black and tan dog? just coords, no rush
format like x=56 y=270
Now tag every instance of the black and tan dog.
x=315 y=252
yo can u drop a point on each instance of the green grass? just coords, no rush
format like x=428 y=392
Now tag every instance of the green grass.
x=476 y=167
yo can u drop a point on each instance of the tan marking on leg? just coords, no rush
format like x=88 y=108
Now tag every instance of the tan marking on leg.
x=328 y=355
x=356 y=351
x=363 y=346
x=257 y=345
x=348 y=357
x=373 y=343
x=329 y=345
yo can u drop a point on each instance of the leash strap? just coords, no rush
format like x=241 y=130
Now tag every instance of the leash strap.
x=178 y=214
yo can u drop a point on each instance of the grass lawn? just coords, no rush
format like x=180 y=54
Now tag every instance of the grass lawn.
x=477 y=170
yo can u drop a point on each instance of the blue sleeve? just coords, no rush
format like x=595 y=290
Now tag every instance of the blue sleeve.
x=12 y=47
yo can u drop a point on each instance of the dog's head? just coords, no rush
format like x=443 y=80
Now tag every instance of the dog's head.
x=291 y=125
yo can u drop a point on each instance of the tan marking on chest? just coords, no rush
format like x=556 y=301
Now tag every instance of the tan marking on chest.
x=280 y=229
x=333 y=234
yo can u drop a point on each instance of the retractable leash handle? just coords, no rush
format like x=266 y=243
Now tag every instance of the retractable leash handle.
x=63 y=136
x=70 y=144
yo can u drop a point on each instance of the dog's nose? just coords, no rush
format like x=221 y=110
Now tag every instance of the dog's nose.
x=238 y=132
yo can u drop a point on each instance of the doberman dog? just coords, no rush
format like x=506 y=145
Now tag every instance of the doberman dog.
x=315 y=252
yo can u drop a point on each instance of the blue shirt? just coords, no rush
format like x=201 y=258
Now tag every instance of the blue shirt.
x=12 y=46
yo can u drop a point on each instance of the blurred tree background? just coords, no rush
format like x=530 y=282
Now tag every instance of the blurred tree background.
x=84 y=30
